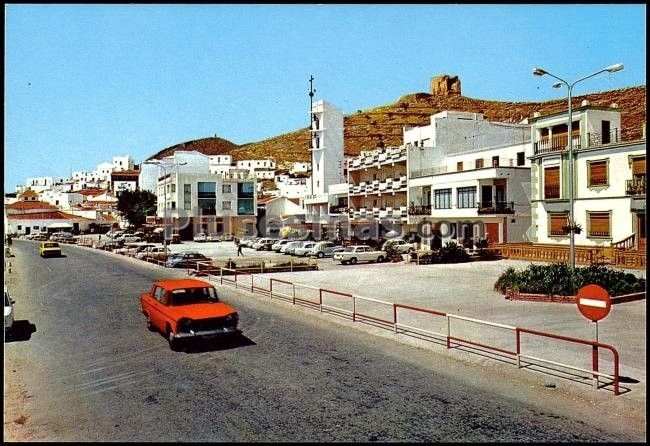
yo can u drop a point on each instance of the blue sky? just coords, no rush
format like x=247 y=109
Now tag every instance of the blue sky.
x=86 y=82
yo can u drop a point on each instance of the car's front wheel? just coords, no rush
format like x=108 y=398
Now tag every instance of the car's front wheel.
x=320 y=255
x=380 y=259
x=150 y=325
x=353 y=260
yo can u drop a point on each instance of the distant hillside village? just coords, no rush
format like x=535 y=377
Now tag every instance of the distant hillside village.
x=460 y=178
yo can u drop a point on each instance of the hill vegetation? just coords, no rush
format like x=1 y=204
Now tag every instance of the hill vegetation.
x=365 y=129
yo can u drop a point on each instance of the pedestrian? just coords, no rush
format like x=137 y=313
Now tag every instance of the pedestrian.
x=9 y=240
x=239 y=252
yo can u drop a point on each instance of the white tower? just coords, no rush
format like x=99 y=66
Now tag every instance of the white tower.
x=326 y=146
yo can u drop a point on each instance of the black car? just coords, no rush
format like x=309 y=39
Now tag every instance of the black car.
x=185 y=259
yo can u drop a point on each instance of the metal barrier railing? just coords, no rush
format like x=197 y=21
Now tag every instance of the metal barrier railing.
x=289 y=293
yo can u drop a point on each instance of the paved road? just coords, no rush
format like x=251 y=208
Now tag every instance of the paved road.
x=91 y=371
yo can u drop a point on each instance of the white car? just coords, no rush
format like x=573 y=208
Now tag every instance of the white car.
x=128 y=238
x=154 y=252
x=279 y=244
x=400 y=245
x=9 y=313
x=200 y=237
x=289 y=247
x=260 y=243
x=359 y=253
x=304 y=250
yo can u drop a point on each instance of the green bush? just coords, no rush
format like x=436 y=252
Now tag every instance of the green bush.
x=556 y=279
x=453 y=253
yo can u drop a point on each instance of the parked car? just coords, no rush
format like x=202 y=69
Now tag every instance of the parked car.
x=357 y=253
x=49 y=249
x=264 y=244
x=200 y=237
x=9 y=313
x=324 y=249
x=304 y=249
x=153 y=252
x=213 y=237
x=400 y=245
x=133 y=248
x=279 y=244
x=227 y=237
x=289 y=247
x=185 y=259
x=61 y=236
x=184 y=309
x=248 y=242
x=128 y=238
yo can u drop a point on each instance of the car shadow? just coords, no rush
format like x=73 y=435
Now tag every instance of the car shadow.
x=21 y=331
x=218 y=343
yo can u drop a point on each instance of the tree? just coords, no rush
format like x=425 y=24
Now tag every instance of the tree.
x=136 y=205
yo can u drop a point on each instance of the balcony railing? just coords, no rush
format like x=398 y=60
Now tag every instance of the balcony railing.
x=499 y=207
x=556 y=143
x=339 y=210
x=551 y=192
x=635 y=186
x=424 y=209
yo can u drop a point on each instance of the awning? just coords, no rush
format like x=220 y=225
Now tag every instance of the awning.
x=60 y=226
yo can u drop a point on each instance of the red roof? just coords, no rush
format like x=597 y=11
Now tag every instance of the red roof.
x=177 y=284
x=134 y=173
x=25 y=205
x=52 y=215
x=29 y=193
x=92 y=191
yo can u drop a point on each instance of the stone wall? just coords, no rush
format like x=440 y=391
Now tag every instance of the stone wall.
x=445 y=85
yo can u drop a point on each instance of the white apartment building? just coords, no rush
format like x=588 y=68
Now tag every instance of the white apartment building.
x=188 y=161
x=205 y=202
x=291 y=187
x=63 y=200
x=103 y=171
x=300 y=168
x=327 y=161
x=37 y=184
x=609 y=178
x=261 y=169
x=220 y=164
x=123 y=163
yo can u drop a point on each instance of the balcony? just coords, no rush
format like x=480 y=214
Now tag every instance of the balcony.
x=635 y=187
x=424 y=209
x=499 y=207
x=338 y=210
x=556 y=144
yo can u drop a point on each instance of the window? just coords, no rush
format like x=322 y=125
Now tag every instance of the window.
x=226 y=188
x=226 y=205
x=35 y=227
x=206 y=190
x=638 y=166
x=521 y=158
x=495 y=161
x=173 y=188
x=478 y=164
x=599 y=224
x=20 y=227
x=173 y=205
x=187 y=196
x=597 y=173
x=557 y=221
x=459 y=166
x=552 y=182
x=442 y=198
x=466 y=197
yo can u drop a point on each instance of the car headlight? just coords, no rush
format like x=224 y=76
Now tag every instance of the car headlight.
x=184 y=324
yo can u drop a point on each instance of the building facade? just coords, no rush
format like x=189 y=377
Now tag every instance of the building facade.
x=609 y=178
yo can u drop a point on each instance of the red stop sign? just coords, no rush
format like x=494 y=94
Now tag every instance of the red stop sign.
x=593 y=302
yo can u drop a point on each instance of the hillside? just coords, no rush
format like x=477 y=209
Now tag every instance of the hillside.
x=366 y=128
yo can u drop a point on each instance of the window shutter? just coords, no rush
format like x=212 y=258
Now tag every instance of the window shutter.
x=552 y=182
x=558 y=221
x=598 y=173
x=638 y=166
x=599 y=224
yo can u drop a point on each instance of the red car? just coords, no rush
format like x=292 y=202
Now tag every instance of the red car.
x=183 y=309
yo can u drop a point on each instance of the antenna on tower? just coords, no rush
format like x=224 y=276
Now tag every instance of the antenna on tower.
x=312 y=90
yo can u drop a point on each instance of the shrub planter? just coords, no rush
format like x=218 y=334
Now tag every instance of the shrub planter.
x=532 y=297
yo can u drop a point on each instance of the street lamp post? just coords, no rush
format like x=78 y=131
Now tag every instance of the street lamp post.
x=542 y=72
x=164 y=167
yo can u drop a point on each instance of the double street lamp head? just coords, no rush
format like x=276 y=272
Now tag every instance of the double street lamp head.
x=537 y=71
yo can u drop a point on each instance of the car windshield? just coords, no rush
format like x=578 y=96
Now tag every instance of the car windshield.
x=185 y=296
